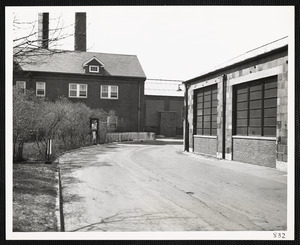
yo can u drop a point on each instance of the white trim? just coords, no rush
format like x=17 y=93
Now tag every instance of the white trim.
x=228 y=156
x=254 y=137
x=94 y=66
x=206 y=83
x=255 y=76
x=93 y=58
x=282 y=166
x=44 y=89
x=78 y=90
x=109 y=92
x=205 y=136
x=115 y=121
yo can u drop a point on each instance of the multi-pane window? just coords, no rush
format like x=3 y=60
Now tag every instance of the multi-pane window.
x=108 y=122
x=21 y=85
x=77 y=90
x=109 y=92
x=103 y=122
x=112 y=122
x=206 y=111
x=40 y=89
x=93 y=68
x=255 y=108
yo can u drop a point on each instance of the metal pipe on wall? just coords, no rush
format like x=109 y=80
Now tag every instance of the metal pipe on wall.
x=224 y=117
x=186 y=128
x=139 y=107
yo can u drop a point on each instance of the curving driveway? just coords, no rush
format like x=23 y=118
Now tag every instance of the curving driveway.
x=154 y=186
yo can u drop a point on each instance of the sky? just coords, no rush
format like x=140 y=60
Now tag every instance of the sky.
x=171 y=42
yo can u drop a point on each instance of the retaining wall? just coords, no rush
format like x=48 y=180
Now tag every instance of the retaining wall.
x=130 y=136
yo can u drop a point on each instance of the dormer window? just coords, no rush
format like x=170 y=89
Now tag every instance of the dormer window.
x=93 y=68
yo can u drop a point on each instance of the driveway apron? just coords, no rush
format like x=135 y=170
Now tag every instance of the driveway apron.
x=154 y=186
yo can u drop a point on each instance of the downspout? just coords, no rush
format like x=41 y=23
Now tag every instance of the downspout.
x=224 y=117
x=186 y=128
x=139 y=107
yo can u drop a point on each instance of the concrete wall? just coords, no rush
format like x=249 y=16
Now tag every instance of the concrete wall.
x=130 y=136
x=272 y=64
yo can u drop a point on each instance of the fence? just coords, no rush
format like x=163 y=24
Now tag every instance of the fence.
x=130 y=136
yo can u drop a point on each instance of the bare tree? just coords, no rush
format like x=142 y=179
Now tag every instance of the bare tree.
x=29 y=48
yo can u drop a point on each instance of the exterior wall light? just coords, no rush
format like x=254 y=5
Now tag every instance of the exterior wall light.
x=179 y=89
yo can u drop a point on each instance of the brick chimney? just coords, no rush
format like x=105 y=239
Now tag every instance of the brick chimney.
x=80 y=32
x=43 y=30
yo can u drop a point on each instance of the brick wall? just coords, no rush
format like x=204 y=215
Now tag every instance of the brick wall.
x=126 y=106
x=155 y=104
x=255 y=151
x=176 y=105
x=152 y=112
x=273 y=64
x=205 y=145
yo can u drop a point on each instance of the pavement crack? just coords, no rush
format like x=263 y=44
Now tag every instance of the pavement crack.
x=116 y=218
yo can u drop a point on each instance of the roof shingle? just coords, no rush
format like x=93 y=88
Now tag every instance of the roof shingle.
x=72 y=62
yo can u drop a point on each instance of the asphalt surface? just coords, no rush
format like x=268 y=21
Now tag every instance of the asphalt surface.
x=154 y=186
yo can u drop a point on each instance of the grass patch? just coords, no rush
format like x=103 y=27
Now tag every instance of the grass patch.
x=34 y=197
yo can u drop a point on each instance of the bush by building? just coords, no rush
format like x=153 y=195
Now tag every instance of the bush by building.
x=67 y=124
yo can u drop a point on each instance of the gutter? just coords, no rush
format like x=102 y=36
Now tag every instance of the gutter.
x=139 y=107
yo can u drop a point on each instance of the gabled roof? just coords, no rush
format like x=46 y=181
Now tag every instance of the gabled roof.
x=91 y=59
x=267 y=48
x=71 y=62
x=162 y=87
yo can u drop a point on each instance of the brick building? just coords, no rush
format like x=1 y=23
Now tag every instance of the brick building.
x=112 y=82
x=238 y=111
x=163 y=107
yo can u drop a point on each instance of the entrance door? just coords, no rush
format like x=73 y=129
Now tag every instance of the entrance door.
x=168 y=123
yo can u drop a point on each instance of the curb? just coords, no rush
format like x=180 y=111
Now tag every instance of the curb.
x=57 y=205
x=60 y=203
x=214 y=158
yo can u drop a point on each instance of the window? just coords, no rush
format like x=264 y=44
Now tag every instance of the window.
x=77 y=90
x=103 y=122
x=255 y=108
x=109 y=92
x=108 y=122
x=21 y=85
x=93 y=68
x=112 y=122
x=206 y=111
x=40 y=89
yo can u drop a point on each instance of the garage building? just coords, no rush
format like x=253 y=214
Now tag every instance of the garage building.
x=238 y=111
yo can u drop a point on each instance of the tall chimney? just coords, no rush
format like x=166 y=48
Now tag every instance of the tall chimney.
x=43 y=30
x=80 y=32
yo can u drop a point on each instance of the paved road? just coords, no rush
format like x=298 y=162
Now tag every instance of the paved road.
x=154 y=186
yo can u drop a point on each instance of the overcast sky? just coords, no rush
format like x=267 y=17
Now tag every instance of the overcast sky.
x=173 y=42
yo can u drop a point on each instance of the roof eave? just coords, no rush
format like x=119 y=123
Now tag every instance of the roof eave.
x=236 y=64
x=92 y=75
